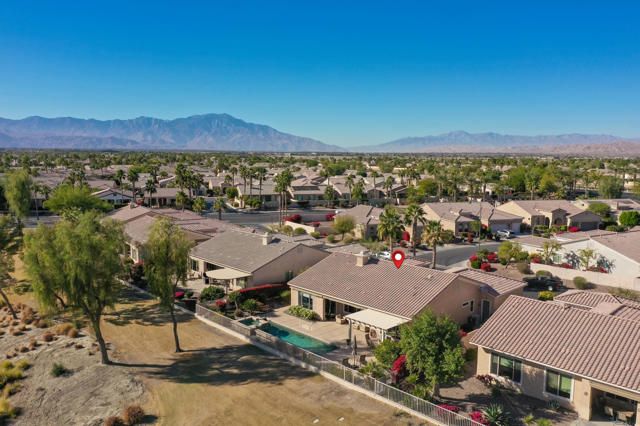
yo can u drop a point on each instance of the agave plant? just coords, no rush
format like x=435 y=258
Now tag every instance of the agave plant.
x=496 y=415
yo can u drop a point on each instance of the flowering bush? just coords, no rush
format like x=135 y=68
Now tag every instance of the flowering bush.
x=476 y=264
x=492 y=258
x=296 y=218
x=315 y=224
x=221 y=303
x=267 y=290
x=486 y=379
x=405 y=236
x=463 y=333
x=472 y=258
x=477 y=416
x=486 y=267
x=574 y=229
x=536 y=259
x=330 y=216
x=559 y=232
x=444 y=408
x=178 y=294
x=399 y=365
x=324 y=234
x=565 y=266
x=597 y=269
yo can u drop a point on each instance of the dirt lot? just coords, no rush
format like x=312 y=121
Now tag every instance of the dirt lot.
x=220 y=380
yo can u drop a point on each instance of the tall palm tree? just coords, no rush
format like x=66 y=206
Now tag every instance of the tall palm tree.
x=434 y=235
x=349 y=183
x=388 y=185
x=133 y=177
x=37 y=189
x=261 y=174
x=150 y=187
x=390 y=226
x=413 y=216
x=119 y=178
x=283 y=182
x=234 y=172
x=181 y=199
x=219 y=205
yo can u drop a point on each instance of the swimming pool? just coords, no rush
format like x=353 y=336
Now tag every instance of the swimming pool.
x=298 y=339
x=249 y=321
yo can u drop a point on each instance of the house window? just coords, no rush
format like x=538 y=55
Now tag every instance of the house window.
x=350 y=309
x=468 y=304
x=242 y=282
x=558 y=384
x=506 y=367
x=134 y=254
x=193 y=264
x=305 y=300
x=209 y=266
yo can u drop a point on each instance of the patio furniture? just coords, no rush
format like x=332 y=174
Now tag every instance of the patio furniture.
x=609 y=412
x=625 y=416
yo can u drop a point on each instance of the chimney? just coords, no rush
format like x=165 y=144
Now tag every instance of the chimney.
x=362 y=258
x=266 y=239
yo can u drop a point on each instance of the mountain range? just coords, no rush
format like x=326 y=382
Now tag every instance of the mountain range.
x=222 y=132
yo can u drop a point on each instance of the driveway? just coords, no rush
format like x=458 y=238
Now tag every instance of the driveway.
x=450 y=255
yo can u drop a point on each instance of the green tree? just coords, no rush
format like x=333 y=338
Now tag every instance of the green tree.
x=358 y=193
x=133 y=176
x=17 y=191
x=549 y=250
x=610 y=187
x=69 y=200
x=199 y=205
x=10 y=242
x=75 y=264
x=343 y=224
x=434 y=235
x=231 y=192
x=600 y=208
x=150 y=187
x=586 y=256
x=329 y=195
x=387 y=352
x=219 y=205
x=630 y=218
x=414 y=216
x=167 y=265
x=390 y=226
x=511 y=252
x=434 y=353
x=181 y=199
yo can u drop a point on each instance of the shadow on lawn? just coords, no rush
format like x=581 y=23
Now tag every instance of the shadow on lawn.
x=230 y=364
x=144 y=315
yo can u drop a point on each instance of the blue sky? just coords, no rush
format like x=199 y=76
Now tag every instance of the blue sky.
x=348 y=73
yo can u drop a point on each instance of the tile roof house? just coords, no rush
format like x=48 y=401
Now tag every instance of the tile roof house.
x=458 y=217
x=617 y=205
x=584 y=357
x=366 y=219
x=342 y=284
x=239 y=259
x=551 y=213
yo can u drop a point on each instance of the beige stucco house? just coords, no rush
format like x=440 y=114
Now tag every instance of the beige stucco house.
x=458 y=217
x=551 y=213
x=581 y=352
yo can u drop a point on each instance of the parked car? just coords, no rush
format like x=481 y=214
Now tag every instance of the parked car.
x=384 y=255
x=505 y=233
x=544 y=282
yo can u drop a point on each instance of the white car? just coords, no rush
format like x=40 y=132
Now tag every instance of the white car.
x=385 y=255
x=505 y=233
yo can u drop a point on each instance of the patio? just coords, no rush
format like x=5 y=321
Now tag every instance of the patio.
x=326 y=331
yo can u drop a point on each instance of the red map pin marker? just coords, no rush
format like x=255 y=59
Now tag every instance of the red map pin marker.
x=397 y=257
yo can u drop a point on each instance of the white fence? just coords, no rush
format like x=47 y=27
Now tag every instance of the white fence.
x=598 y=278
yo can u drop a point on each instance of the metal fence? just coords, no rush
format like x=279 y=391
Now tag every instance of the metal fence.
x=354 y=377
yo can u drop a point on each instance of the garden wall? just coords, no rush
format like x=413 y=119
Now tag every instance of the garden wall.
x=598 y=278
x=309 y=229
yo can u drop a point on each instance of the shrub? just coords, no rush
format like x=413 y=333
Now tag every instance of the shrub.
x=565 y=266
x=133 y=415
x=543 y=273
x=348 y=240
x=554 y=405
x=58 y=370
x=477 y=416
x=188 y=294
x=486 y=379
x=580 y=282
x=114 y=421
x=41 y=323
x=62 y=329
x=315 y=224
x=574 y=229
x=73 y=333
x=494 y=414
x=373 y=369
x=486 y=267
x=476 y=264
x=47 y=336
x=331 y=238
x=546 y=295
x=523 y=267
x=299 y=231
x=287 y=230
x=615 y=228
x=492 y=258
x=23 y=365
x=597 y=269
x=503 y=262
x=630 y=218
x=543 y=422
x=301 y=312
x=6 y=365
x=6 y=410
x=315 y=235
x=212 y=293
x=286 y=296
x=329 y=217
x=473 y=257
x=536 y=259
x=250 y=305
x=444 y=408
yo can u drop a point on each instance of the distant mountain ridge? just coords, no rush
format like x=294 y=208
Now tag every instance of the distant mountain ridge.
x=461 y=141
x=199 y=132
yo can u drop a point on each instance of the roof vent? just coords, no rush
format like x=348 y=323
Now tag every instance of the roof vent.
x=362 y=258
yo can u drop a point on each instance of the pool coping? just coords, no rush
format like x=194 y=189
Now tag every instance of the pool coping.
x=299 y=332
x=313 y=337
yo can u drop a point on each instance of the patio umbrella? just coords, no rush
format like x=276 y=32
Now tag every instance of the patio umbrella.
x=354 y=349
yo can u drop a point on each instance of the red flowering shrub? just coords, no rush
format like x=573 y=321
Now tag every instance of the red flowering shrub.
x=399 y=365
x=492 y=258
x=463 y=333
x=470 y=238
x=315 y=224
x=574 y=229
x=477 y=416
x=324 y=234
x=486 y=379
x=288 y=219
x=559 y=232
x=565 y=266
x=405 y=236
x=268 y=290
x=443 y=409
x=597 y=269
x=296 y=218
x=330 y=216
x=473 y=257
x=486 y=267
x=221 y=303
x=178 y=294
x=536 y=259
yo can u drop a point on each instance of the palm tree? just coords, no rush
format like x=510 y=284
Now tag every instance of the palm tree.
x=434 y=235
x=349 y=184
x=219 y=205
x=181 y=199
x=37 y=189
x=358 y=191
x=283 y=181
x=119 y=177
x=388 y=185
x=261 y=173
x=133 y=176
x=531 y=182
x=199 y=205
x=413 y=216
x=234 y=172
x=150 y=187
x=390 y=226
